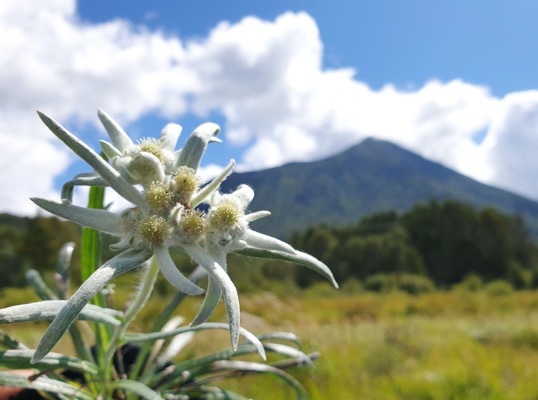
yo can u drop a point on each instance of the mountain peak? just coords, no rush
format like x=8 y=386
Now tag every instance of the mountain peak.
x=372 y=176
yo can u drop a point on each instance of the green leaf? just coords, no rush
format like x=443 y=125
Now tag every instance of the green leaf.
x=304 y=259
x=109 y=174
x=142 y=337
x=62 y=270
x=137 y=388
x=83 y=179
x=20 y=359
x=123 y=262
x=7 y=342
x=49 y=309
x=285 y=336
x=288 y=352
x=36 y=282
x=160 y=322
x=44 y=384
x=195 y=367
x=91 y=243
x=101 y=220
x=90 y=260
x=240 y=368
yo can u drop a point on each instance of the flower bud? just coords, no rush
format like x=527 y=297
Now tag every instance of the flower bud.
x=146 y=168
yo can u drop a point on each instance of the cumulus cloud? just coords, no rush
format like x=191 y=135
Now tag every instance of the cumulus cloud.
x=512 y=142
x=52 y=61
x=277 y=97
x=265 y=77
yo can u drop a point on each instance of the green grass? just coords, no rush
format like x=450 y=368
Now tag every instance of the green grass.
x=441 y=345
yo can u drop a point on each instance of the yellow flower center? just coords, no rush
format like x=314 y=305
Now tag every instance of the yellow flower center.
x=158 y=197
x=192 y=224
x=225 y=216
x=186 y=183
x=154 y=229
x=152 y=146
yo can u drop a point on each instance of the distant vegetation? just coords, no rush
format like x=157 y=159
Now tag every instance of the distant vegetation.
x=443 y=241
x=31 y=243
x=436 y=244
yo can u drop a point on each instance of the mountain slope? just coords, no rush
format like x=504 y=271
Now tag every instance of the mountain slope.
x=370 y=177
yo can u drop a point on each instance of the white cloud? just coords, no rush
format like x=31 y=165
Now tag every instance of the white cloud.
x=511 y=144
x=277 y=97
x=28 y=163
x=265 y=78
x=52 y=61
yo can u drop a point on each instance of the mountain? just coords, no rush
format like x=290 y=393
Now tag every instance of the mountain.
x=370 y=177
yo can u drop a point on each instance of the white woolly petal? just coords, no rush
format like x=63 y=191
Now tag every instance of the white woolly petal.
x=261 y=241
x=231 y=299
x=257 y=215
x=173 y=275
x=244 y=194
x=212 y=298
x=109 y=150
x=169 y=136
x=119 y=138
x=210 y=190
x=196 y=145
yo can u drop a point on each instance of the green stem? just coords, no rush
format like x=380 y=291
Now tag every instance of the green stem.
x=90 y=252
x=141 y=360
x=142 y=296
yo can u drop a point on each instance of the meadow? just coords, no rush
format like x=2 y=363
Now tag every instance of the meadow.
x=442 y=345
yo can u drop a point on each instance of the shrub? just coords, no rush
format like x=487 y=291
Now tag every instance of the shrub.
x=379 y=283
x=471 y=282
x=410 y=283
x=416 y=284
x=498 y=287
x=351 y=286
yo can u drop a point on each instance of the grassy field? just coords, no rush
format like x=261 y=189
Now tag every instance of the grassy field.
x=442 y=345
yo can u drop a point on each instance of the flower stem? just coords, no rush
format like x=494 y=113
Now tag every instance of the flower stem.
x=142 y=296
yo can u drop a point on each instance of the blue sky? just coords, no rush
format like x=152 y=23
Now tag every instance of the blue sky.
x=287 y=81
x=401 y=42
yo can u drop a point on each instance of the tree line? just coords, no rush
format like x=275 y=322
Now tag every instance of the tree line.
x=445 y=241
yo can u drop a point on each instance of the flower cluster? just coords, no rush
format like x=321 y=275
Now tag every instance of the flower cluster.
x=165 y=192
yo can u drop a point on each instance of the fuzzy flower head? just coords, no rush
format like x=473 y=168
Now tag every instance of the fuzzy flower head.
x=226 y=220
x=164 y=215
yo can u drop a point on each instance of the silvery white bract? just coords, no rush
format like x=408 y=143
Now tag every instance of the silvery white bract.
x=162 y=185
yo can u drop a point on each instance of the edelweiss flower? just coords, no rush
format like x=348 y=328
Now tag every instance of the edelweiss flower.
x=163 y=216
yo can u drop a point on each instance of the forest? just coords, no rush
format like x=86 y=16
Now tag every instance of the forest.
x=443 y=241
